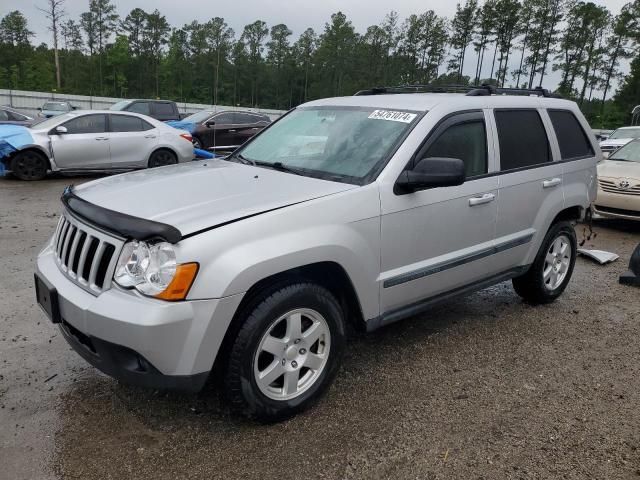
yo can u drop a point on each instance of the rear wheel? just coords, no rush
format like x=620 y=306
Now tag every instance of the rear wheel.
x=29 y=165
x=286 y=353
x=552 y=269
x=161 y=158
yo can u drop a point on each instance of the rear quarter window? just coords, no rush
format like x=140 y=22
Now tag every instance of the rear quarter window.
x=572 y=138
x=523 y=139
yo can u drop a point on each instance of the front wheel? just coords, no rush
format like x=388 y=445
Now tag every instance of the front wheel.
x=551 y=271
x=286 y=353
x=29 y=165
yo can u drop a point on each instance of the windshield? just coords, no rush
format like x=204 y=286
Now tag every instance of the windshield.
x=198 y=117
x=343 y=144
x=121 y=105
x=626 y=133
x=56 y=107
x=629 y=153
x=53 y=121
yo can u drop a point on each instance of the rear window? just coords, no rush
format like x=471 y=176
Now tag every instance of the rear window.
x=523 y=139
x=572 y=139
x=126 y=123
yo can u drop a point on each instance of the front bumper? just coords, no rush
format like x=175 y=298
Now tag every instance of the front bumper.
x=140 y=340
x=617 y=205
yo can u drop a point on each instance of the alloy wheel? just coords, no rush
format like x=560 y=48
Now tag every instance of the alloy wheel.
x=292 y=354
x=557 y=261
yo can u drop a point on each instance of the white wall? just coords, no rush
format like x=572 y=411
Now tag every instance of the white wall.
x=30 y=101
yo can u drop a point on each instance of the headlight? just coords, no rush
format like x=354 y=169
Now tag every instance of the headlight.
x=153 y=270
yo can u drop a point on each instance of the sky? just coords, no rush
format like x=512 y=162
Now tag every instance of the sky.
x=296 y=14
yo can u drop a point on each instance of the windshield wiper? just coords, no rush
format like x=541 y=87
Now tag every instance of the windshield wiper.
x=281 y=167
x=242 y=159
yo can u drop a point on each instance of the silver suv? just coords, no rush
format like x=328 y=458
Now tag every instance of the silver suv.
x=357 y=211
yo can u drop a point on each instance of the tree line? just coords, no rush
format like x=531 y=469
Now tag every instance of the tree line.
x=501 y=42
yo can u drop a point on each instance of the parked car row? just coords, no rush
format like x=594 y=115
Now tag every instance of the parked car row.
x=132 y=134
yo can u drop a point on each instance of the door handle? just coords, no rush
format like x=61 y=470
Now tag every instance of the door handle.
x=554 y=182
x=486 y=198
x=101 y=138
x=232 y=131
x=149 y=136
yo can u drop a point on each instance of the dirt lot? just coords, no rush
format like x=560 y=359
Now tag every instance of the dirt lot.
x=484 y=388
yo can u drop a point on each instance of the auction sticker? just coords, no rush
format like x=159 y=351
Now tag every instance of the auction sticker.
x=394 y=116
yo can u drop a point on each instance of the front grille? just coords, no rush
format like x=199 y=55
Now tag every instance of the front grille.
x=86 y=255
x=610 y=186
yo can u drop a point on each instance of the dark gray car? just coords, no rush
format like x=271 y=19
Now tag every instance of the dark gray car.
x=9 y=116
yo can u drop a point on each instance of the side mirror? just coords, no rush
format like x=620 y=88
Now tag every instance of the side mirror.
x=210 y=123
x=39 y=109
x=73 y=107
x=60 y=130
x=431 y=173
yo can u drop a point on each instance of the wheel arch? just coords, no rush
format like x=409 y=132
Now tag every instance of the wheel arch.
x=161 y=148
x=31 y=148
x=328 y=274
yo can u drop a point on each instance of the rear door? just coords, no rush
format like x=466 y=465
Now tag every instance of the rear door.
x=85 y=145
x=530 y=190
x=248 y=125
x=132 y=139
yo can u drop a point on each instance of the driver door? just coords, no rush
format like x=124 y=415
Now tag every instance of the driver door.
x=439 y=239
x=84 y=146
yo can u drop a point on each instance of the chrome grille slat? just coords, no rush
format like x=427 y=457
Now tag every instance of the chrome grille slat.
x=94 y=265
x=76 y=240
x=83 y=258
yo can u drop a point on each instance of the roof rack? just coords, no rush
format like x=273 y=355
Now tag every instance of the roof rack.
x=470 y=90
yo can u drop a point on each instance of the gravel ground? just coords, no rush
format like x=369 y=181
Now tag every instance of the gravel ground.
x=485 y=387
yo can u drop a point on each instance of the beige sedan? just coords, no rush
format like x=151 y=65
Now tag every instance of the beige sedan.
x=619 y=184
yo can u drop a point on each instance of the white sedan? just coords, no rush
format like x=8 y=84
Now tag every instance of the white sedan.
x=94 y=141
x=619 y=184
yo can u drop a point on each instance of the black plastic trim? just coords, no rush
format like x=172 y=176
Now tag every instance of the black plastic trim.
x=119 y=223
x=440 y=267
x=127 y=365
x=421 y=306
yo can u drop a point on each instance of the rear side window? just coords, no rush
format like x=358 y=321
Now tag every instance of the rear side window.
x=466 y=141
x=164 y=109
x=87 y=124
x=572 y=139
x=523 y=139
x=126 y=123
x=139 y=107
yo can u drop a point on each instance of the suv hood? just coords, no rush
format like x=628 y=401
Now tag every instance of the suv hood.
x=203 y=194
x=619 y=169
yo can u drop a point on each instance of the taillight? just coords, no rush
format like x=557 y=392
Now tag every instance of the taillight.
x=187 y=137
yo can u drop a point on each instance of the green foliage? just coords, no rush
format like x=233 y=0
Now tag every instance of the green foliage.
x=504 y=42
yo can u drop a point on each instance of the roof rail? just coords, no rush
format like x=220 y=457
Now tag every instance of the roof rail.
x=470 y=90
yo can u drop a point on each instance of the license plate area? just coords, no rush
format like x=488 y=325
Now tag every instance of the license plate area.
x=47 y=298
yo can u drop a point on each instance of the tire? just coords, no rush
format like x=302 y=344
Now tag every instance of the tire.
x=552 y=268
x=196 y=142
x=302 y=366
x=162 y=158
x=29 y=165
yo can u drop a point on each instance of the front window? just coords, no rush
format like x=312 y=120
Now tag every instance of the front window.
x=54 y=121
x=198 y=117
x=629 y=153
x=343 y=144
x=625 y=133
x=56 y=107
